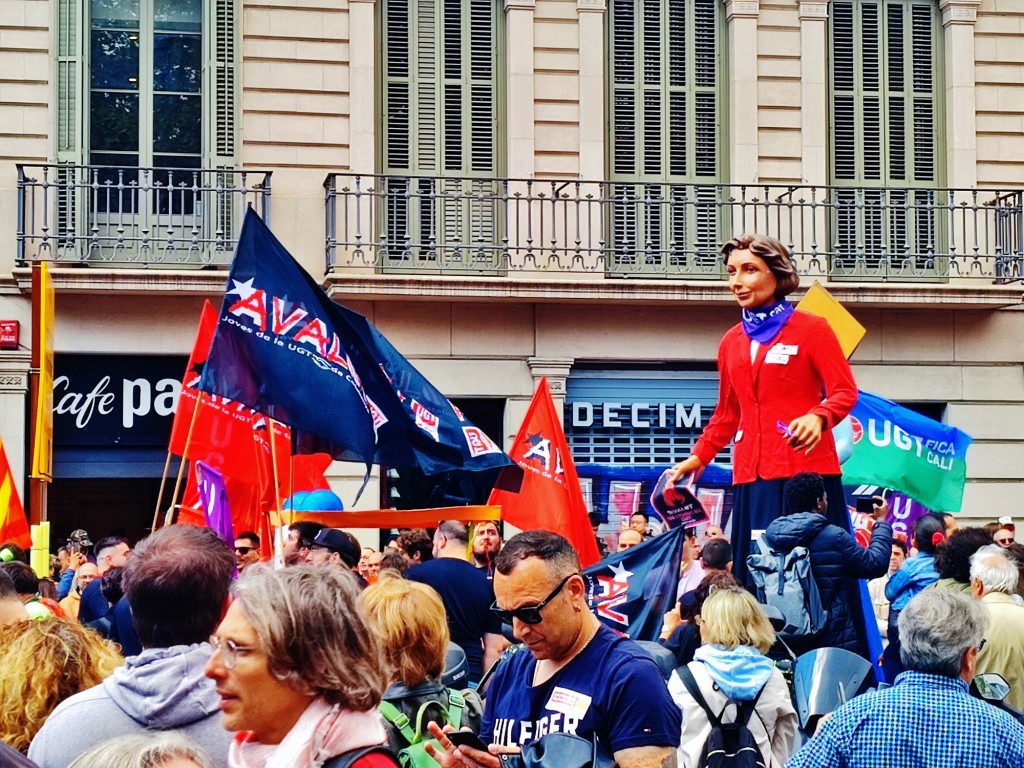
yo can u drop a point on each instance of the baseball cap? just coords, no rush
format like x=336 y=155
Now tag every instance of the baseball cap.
x=1006 y=520
x=79 y=536
x=338 y=541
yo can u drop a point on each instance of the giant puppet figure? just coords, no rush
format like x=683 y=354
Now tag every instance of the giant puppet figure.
x=783 y=384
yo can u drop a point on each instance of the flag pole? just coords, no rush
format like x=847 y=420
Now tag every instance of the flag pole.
x=274 y=477
x=188 y=442
x=160 y=494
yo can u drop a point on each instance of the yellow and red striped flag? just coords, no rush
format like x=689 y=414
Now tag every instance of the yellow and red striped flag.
x=13 y=525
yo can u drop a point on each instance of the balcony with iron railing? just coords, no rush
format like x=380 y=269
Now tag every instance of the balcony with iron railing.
x=578 y=239
x=159 y=218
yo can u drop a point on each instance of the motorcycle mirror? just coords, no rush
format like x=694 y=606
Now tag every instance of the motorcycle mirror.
x=991 y=686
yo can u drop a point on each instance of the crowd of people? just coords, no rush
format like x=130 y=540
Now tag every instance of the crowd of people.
x=328 y=661
x=457 y=648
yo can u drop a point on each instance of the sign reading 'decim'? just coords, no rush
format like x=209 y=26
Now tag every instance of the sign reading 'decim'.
x=611 y=415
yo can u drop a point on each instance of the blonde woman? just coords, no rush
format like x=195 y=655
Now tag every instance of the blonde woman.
x=730 y=668
x=41 y=664
x=410 y=620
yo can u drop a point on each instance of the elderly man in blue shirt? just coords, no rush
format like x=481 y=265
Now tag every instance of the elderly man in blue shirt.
x=927 y=719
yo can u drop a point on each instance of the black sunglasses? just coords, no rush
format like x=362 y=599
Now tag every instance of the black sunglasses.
x=244 y=550
x=529 y=614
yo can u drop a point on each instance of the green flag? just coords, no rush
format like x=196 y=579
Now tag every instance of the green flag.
x=903 y=450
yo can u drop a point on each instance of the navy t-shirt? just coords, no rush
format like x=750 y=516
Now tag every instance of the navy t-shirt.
x=612 y=688
x=467 y=596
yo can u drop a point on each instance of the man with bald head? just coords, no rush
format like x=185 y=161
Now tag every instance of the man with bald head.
x=629 y=538
x=84 y=576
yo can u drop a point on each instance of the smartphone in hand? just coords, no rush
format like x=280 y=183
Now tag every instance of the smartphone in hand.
x=466 y=739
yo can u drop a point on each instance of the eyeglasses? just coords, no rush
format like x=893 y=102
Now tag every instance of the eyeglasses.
x=981 y=645
x=1004 y=541
x=230 y=650
x=529 y=614
x=243 y=550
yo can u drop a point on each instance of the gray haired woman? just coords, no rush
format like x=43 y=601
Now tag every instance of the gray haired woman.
x=298 y=671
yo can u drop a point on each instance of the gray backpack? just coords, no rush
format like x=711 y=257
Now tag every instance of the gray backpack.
x=784 y=581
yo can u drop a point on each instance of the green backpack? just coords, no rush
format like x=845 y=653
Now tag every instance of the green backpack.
x=415 y=754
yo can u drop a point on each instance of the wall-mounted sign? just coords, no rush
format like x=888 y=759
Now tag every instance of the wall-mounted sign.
x=613 y=415
x=115 y=399
x=10 y=334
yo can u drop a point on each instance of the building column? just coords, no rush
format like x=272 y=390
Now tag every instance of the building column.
x=958 y=20
x=556 y=370
x=362 y=86
x=519 y=116
x=814 y=91
x=743 y=103
x=592 y=88
x=14 y=404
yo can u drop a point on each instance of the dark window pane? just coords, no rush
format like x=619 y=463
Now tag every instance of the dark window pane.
x=177 y=124
x=113 y=188
x=119 y=14
x=184 y=15
x=115 y=60
x=176 y=187
x=114 y=122
x=177 y=63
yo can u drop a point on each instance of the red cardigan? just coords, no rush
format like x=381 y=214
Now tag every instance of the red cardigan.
x=803 y=370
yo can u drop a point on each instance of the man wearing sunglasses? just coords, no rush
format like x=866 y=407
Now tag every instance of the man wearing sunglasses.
x=247 y=550
x=579 y=677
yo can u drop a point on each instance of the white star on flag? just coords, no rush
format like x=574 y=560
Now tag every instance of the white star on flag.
x=621 y=574
x=245 y=290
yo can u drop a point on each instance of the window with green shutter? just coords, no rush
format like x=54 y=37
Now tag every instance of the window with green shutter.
x=665 y=101
x=440 y=140
x=886 y=147
x=145 y=83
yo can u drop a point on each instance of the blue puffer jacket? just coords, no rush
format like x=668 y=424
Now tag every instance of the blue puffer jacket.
x=836 y=558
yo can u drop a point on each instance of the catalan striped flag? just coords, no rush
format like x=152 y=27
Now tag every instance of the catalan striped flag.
x=13 y=524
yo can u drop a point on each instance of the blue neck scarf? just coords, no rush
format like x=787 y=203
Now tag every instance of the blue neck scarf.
x=764 y=324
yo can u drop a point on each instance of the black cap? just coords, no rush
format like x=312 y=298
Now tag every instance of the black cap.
x=340 y=542
x=79 y=536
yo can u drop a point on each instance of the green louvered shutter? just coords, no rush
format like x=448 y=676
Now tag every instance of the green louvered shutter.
x=665 y=144
x=440 y=121
x=221 y=96
x=886 y=139
x=71 y=108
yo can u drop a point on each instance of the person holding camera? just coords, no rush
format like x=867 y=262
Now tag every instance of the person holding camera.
x=836 y=558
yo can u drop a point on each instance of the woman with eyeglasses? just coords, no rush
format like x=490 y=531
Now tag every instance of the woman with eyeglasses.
x=731 y=677
x=299 y=672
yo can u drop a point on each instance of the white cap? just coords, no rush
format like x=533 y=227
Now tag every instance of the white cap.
x=1006 y=520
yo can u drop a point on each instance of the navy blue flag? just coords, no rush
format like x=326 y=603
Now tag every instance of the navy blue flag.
x=285 y=349
x=631 y=591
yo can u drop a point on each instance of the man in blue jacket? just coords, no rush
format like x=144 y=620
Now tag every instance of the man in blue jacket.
x=836 y=559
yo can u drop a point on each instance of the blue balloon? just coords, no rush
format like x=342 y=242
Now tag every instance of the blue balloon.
x=314 y=501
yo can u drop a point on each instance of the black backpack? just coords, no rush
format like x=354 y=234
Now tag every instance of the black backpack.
x=729 y=745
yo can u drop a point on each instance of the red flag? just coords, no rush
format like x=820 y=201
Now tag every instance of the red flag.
x=550 y=496
x=13 y=524
x=229 y=437
x=223 y=431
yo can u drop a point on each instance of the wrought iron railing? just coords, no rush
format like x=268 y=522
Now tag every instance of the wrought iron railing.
x=163 y=217
x=417 y=224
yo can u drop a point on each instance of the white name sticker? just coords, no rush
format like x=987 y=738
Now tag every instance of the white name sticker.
x=569 y=703
x=774 y=358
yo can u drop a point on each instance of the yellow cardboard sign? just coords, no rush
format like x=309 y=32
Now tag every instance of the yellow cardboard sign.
x=820 y=302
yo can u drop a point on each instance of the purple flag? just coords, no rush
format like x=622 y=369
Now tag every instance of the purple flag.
x=214 y=498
